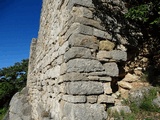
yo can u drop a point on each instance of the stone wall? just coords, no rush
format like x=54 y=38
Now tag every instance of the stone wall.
x=74 y=63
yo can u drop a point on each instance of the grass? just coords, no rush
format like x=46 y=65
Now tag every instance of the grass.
x=3 y=112
x=145 y=111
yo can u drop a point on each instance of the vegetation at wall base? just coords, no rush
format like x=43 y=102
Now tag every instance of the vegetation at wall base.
x=12 y=80
x=145 y=111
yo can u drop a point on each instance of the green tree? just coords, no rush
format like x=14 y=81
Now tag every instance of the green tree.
x=146 y=14
x=12 y=79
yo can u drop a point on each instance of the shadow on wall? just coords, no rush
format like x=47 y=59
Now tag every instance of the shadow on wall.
x=128 y=33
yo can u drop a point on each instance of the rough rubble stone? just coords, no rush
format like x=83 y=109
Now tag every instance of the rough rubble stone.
x=156 y=102
x=19 y=106
x=130 y=78
x=137 y=95
x=125 y=85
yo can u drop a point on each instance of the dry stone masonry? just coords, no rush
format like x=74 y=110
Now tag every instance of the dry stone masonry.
x=73 y=63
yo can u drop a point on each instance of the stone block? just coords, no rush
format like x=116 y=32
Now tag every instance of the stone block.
x=103 y=54
x=156 y=102
x=89 y=22
x=84 y=112
x=63 y=48
x=130 y=78
x=111 y=69
x=97 y=78
x=92 y=99
x=119 y=109
x=84 y=29
x=107 y=88
x=86 y=3
x=72 y=77
x=77 y=52
x=101 y=34
x=103 y=73
x=84 y=65
x=118 y=55
x=125 y=85
x=84 y=88
x=82 y=12
x=79 y=40
x=106 y=45
x=74 y=99
x=105 y=99
x=54 y=72
x=63 y=68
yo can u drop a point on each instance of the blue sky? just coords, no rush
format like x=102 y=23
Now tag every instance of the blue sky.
x=19 y=23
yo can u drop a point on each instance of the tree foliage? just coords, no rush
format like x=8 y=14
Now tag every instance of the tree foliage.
x=12 y=79
x=144 y=11
x=146 y=14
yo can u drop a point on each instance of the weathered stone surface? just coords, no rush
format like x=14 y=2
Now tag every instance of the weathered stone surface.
x=114 y=54
x=84 y=29
x=19 y=106
x=106 y=45
x=81 y=111
x=130 y=78
x=74 y=99
x=84 y=65
x=89 y=22
x=103 y=54
x=82 y=88
x=125 y=85
x=103 y=73
x=118 y=55
x=77 y=52
x=124 y=93
x=107 y=88
x=54 y=72
x=105 y=99
x=79 y=40
x=120 y=109
x=72 y=77
x=86 y=3
x=82 y=11
x=92 y=99
x=156 y=102
x=136 y=96
x=63 y=68
x=111 y=69
x=101 y=34
x=96 y=78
